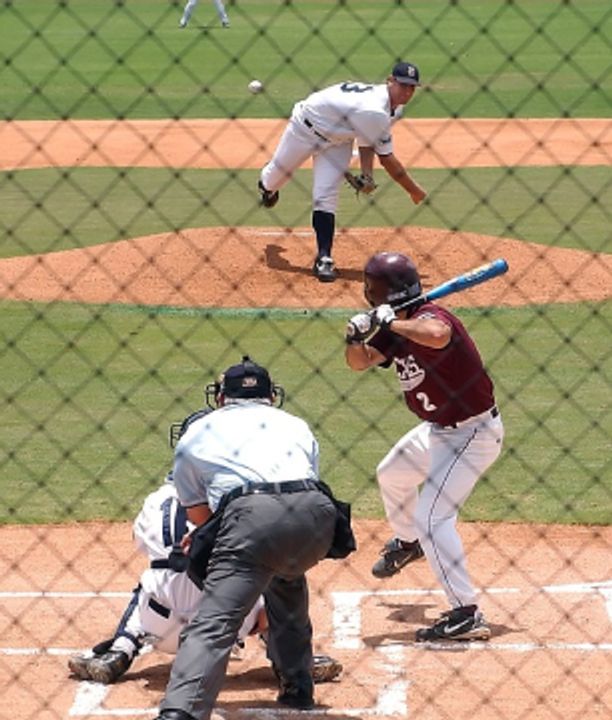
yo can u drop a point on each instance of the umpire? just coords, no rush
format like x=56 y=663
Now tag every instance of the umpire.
x=253 y=467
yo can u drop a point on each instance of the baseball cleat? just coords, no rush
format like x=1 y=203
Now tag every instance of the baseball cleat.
x=109 y=667
x=396 y=554
x=79 y=666
x=462 y=623
x=267 y=199
x=323 y=269
x=325 y=669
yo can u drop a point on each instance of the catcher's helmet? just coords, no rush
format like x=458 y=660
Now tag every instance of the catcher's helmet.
x=391 y=278
x=178 y=429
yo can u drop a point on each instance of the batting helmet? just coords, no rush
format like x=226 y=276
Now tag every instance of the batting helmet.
x=391 y=278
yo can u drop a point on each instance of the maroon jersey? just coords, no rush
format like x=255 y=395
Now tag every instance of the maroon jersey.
x=443 y=386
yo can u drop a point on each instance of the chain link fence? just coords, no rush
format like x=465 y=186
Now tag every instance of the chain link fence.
x=138 y=263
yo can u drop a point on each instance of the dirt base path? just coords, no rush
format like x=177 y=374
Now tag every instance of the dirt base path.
x=425 y=143
x=271 y=267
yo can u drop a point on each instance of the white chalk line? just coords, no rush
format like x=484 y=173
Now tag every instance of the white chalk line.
x=392 y=697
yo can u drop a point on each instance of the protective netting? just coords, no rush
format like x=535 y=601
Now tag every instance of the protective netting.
x=139 y=262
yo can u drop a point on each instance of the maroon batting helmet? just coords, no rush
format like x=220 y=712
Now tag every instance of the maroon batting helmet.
x=391 y=278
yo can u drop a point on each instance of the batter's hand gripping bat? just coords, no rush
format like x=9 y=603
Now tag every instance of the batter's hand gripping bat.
x=462 y=282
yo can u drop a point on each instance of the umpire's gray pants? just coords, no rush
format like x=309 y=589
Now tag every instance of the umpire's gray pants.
x=265 y=545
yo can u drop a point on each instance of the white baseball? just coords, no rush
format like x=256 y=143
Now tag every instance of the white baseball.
x=255 y=86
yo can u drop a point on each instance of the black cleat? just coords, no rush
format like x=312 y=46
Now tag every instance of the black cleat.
x=324 y=269
x=396 y=554
x=267 y=199
x=462 y=623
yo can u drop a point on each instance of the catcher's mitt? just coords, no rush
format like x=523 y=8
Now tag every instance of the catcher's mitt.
x=325 y=668
x=360 y=183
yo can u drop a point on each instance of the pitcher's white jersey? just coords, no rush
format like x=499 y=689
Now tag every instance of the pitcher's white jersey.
x=351 y=111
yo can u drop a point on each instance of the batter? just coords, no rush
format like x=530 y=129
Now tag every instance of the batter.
x=325 y=126
x=445 y=384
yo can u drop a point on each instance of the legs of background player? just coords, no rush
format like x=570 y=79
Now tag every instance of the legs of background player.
x=191 y=6
x=222 y=13
x=187 y=12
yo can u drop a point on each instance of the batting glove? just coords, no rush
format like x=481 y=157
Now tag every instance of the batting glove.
x=384 y=315
x=359 y=328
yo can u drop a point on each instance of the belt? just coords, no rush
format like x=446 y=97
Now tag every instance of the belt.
x=492 y=412
x=272 y=488
x=310 y=126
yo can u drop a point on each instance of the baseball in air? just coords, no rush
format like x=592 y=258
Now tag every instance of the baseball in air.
x=255 y=86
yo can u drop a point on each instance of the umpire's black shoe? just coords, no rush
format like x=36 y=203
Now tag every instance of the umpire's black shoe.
x=396 y=554
x=294 y=694
x=174 y=714
x=268 y=199
x=109 y=667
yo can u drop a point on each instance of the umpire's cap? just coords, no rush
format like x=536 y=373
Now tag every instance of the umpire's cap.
x=246 y=380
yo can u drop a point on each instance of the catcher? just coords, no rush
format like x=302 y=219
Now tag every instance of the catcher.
x=166 y=598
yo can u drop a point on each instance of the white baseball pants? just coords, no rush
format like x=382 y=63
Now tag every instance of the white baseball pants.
x=448 y=462
x=166 y=603
x=330 y=161
x=191 y=6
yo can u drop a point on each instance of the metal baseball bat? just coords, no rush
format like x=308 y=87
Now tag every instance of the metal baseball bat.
x=466 y=280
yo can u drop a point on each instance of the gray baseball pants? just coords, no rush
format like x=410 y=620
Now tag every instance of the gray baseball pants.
x=265 y=545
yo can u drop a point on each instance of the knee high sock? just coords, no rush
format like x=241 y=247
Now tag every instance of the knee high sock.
x=324 y=224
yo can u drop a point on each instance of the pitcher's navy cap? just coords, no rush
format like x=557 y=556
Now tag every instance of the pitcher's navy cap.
x=406 y=73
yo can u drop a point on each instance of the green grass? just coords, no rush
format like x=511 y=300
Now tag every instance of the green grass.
x=88 y=394
x=58 y=209
x=79 y=59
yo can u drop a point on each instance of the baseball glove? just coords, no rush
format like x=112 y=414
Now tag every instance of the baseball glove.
x=360 y=183
x=325 y=668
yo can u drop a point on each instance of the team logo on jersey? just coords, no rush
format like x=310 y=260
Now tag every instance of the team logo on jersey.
x=409 y=372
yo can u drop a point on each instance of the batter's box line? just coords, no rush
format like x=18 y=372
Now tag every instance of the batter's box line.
x=347 y=624
x=391 y=700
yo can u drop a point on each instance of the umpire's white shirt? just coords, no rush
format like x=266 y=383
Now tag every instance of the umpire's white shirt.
x=242 y=442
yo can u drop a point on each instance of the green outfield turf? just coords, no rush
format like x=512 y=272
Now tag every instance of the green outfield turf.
x=479 y=58
x=89 y=392
x=564 y=207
